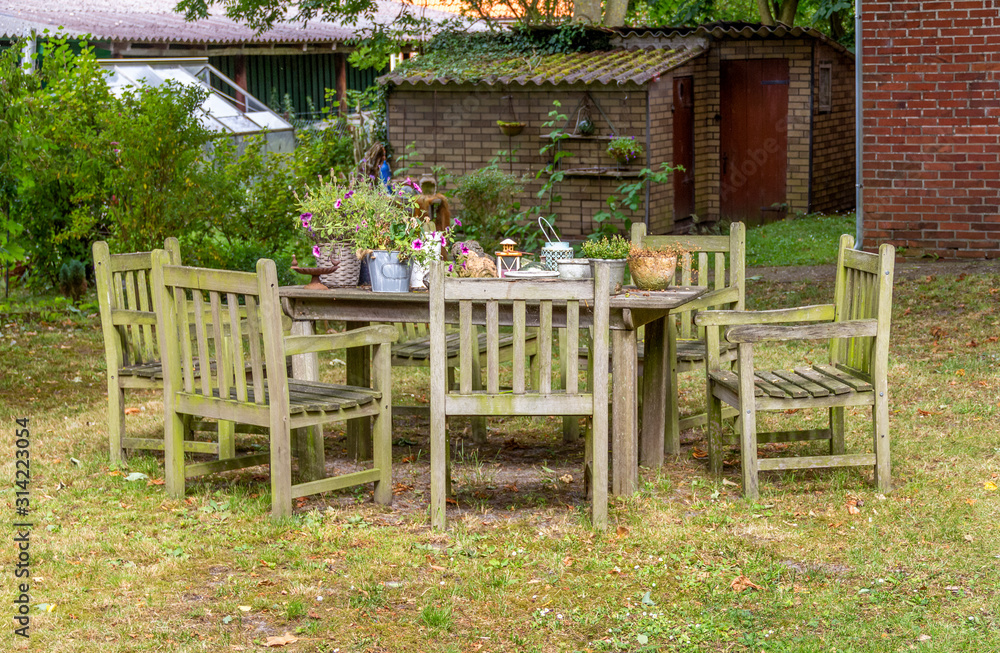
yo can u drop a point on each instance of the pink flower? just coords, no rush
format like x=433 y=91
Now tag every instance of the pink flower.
x=316 y=251
x=465 y=250
x=450 y=267
x=337 y=204
x=348 y=195
x=458 y=223
x=418 y=244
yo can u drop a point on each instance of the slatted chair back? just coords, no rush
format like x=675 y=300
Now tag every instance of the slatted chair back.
x=126 y=304
x=229 y=342
x=714 y=261
x=863 y=291
x=469 y=303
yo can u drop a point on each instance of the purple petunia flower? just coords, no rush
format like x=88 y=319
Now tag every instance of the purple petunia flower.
x=458 y=223
x=418 y=244
x=316 y=251
x=465 y=250
x=348 y=195
x=450 y=267
x=337 y=204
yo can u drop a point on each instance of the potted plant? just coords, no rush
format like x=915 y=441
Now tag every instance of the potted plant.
x=361 y=218
x=653 y=267
x=615 y=250
x=625 y=149
x=510 y=127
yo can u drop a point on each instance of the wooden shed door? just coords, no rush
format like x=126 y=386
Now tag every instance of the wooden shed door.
x=753 y=137
x=684 y=146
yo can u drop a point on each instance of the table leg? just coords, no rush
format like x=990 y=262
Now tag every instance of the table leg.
x=308 y=442
x=653 y=395
x=625 y=464
x=672 y=432
x=359 y=430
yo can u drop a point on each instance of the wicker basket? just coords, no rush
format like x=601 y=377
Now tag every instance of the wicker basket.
x=349 y=269
x=653 y=272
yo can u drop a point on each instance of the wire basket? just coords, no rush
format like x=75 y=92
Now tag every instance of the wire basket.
x=552 y=252
x=554 y=249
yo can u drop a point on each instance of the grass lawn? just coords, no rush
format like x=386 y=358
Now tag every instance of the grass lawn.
x=809 y=240
x=117 y=565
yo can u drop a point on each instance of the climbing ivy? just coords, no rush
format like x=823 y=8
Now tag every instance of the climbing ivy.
x=455 y=53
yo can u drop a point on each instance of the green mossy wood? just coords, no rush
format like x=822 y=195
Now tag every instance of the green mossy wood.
x=857 y=324
x=235 y=320
x=483 y=299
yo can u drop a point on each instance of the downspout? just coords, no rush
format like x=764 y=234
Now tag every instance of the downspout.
x=649 y=154
x=859 y=129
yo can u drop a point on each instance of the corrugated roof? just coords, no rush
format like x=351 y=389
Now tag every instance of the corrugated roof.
x=614 y=66
x=155 y=21
x=721 y=30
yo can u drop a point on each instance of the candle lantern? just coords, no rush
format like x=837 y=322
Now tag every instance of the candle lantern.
x=508 y=259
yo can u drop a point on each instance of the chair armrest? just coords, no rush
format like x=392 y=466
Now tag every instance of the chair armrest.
x=759 y=333
x=820 y=313
x=369 y=335
x=718 y=297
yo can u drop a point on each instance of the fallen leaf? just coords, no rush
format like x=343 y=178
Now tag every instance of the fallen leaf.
x=244 y=608
x=726 y=481
x=852 y=510
x=698 y=453
x=972 y=343
x=925 y=413
x=284 y=640
x=924 y=638
x=136 y=476
x=968 y=538
x=453 y=502
x=742 y=583
x=155 y=481
x=621 y=531
x=132 y=411
x=990 y=486
x=567 y=561
x=437 y=568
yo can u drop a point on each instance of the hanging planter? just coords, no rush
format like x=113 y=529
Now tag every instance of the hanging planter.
x=508 y=122
x=584 y=123
x=625 y=149
x=510 y=128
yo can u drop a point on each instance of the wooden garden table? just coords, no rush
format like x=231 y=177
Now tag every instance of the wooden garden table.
x=630 y=310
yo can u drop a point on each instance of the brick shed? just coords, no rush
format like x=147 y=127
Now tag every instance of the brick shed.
x=761 y=118
x=931 y=166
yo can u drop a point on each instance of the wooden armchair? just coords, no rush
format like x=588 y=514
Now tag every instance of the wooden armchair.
x=249 y=384
x=131 y=348
x=857 y=324
x=482 y=301
x=704 y=265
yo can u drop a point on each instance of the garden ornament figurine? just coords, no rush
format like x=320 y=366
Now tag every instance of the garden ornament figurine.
x=432 y=205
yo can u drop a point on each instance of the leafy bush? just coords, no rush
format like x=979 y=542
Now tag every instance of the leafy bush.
x=488 y=202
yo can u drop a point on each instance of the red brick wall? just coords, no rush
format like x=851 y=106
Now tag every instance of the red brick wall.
x=932 y=126
x=454 y=126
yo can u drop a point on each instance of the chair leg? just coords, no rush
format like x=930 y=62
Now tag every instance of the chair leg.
x=714 y=432
x=880 y=419
x=227 y=440
x=439 y=467
x=116 y=420
x=176 y=430
x=837 y=428
x=382 y=424
x=748 y=422
x=281 y=467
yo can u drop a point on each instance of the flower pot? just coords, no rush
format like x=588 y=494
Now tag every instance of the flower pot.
x=388 y=273
x=617 y=276
x=653 y=271
x=511 y=128
x=348 y=269
x=574 y=268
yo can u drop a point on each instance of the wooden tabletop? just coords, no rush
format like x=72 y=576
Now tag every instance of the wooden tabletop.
x=630 y=308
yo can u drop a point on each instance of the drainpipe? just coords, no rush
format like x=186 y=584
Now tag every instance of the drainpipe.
x=27 y=53
x=859 y=128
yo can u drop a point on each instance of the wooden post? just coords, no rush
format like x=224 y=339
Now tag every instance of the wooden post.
x=240 y=77
x=654 y=388
x=340 y=72
x=308 y=441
